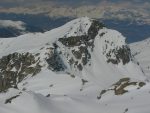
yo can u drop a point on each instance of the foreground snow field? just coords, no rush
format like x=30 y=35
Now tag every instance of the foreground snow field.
x=81 y=67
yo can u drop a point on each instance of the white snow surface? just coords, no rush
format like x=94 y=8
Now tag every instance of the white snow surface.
x=141 y=51
x=68 y=94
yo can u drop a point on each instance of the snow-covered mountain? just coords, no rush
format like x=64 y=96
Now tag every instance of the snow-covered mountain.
x=80 y=67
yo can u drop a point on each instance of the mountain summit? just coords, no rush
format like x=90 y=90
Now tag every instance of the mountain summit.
x=81 y=64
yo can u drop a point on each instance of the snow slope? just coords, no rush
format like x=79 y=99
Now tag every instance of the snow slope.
x=141 y=52
x=81 y=67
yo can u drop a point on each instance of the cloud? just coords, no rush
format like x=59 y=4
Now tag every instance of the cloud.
x=12 y=24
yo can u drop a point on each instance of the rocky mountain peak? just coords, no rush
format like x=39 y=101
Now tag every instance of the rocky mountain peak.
x=68 y=49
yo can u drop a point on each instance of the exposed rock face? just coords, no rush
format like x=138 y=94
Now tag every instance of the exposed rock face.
x=15 y=67
x=54 y=60
x=94 y=28
x=84 y=43
x=114 y=48
x=73 y=41
x=87 y=39
x=119 y=87
x=121 y=54
x=10 y=99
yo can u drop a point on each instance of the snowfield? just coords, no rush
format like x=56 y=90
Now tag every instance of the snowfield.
x=81 y=71
x=141 y=52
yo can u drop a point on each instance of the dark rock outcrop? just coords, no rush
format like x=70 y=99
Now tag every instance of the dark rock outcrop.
x=85 y=44
x=121 y=54
x=54 y=60
x=15 y=67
